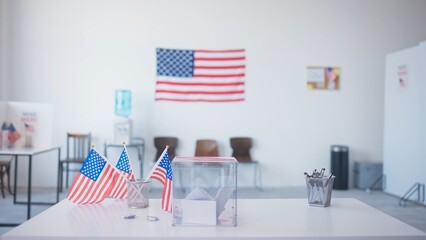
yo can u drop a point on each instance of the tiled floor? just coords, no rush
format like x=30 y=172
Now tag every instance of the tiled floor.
x=412 y=214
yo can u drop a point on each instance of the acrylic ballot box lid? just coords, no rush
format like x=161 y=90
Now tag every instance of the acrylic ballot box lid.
x=204 y=191
x=205 y=159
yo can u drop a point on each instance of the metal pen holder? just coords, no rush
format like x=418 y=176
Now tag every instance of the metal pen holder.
x=137 y=193
x=319 y=190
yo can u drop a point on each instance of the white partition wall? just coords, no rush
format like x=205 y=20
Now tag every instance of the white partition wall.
x=32 y=122
x=405 y=126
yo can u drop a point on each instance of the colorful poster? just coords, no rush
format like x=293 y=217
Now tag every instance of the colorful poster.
x=323 y=78
x=403 y=76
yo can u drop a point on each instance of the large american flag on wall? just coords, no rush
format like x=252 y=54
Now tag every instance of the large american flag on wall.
x=200 y=75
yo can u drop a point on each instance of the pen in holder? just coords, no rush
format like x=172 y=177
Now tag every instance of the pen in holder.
x=319 y=188
x=137 y=193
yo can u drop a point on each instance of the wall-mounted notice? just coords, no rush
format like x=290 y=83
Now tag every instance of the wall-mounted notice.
x=403 y=76
x=323 y=78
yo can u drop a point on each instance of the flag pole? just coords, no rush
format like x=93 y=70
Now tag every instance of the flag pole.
x=93 y=148
x=156 y=164
x=137 y=190
x=127 y=153
x=128 y=157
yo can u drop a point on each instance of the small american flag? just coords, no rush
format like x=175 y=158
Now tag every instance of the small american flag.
x=29 y=128
x=95 y=180
x=200 y=75
x=125 y=169
x=163 y=173
x=13 y=134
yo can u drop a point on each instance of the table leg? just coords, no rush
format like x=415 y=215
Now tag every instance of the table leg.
x=15 y=179
x=59 y=172
x=29 y=187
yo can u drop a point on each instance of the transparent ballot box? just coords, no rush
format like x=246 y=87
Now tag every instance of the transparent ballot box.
x=204 y=191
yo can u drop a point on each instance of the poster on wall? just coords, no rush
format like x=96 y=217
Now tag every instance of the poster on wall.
x=323 y=78
x=403 y=76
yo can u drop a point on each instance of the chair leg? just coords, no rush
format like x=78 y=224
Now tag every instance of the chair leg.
x=60 y=176
x=1 y=182
x=67 y=174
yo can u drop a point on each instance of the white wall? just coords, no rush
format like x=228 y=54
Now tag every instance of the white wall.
x=75 y=53
x=3 y=50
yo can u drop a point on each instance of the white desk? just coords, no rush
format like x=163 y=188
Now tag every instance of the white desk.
x=27 y=152
x=346 y=218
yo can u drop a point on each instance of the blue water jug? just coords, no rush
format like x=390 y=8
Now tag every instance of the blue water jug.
x=123 y=102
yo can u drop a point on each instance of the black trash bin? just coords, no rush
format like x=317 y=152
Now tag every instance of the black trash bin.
x=339 y=166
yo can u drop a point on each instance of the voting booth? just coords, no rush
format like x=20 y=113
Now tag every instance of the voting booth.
x=204 y=191
x=26 y=125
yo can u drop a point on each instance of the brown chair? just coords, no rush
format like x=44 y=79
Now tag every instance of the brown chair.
x=241 y=151
x=160 y=144
x=206 y=148
x=5 y=170
x=78 y=147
